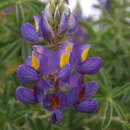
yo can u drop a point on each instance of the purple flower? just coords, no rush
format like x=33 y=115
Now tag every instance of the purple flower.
x=55 y=101
x=37 y=66
x=64 y=22
x=29 y=33
x=26 y=95
x=40 y=89
x=56 y=71
x=32 y=96
x=63 y=57
x=75 y=79
x=56 y=116
x=47 y=13
x=46 y=28
x=88 y=106
x=29 y=60
x=91 y=66
x=68 y=46
x=32 y=33
x=79 y=96
x=79 y=54
x=65 y=72
x=73 y=22
x=27 y=74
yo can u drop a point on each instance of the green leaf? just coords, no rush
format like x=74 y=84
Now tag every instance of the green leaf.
x=89 y=28
x=6 y=4
x=10 y=28
x=118 y=91
x=19 y=15
x=119 y=111
x=106 y=80
x=107 y=117
x=10 y=51
x=26 y=51
x=5 y=44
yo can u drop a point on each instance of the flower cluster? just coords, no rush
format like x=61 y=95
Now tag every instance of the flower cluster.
x=55 y=25
x=57 y=74
x=58 y=79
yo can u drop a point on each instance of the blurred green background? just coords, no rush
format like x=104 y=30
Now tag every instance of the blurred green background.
x=110 y=39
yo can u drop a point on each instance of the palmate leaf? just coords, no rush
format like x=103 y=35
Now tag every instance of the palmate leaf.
x=10 y=28
x=11 y=50
x=107 y=115
x=6 y=43
x=6 y=4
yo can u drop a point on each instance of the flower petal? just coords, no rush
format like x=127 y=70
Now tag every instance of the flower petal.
x=91 y=88
x=62 y=58
x=47 y=60
x=75 y=80
x=41 y=87
x=27 y=74
x=73 y=23
x=29 y=60
x=63 y=22
x=56 y=116
x=29 y=33
x=25 y=95
x=68 y=46
x=47 y=13
x=41 y=49
x=65 y=72
x=39 y=61
x=55 y=101
x=72 y=97
x=46 y=28
x=88 y=106
x=79 y=54
x=91 y=66
x=37 y=22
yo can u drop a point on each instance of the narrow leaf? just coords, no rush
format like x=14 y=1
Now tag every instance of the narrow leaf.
x=107 y=117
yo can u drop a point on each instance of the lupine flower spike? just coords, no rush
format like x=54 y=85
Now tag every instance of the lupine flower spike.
x=57 y=74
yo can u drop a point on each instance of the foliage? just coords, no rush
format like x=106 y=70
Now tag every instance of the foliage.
x=109 y=37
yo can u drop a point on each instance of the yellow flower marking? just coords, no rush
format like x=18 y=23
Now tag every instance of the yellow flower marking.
x=64 y=59
x=36 y=25
x=84 y=54
x=69 y=47
x=35 y=62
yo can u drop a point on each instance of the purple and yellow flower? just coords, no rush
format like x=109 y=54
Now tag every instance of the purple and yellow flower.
x=32 y=33
x=56 y=76
x=57 y=71
x=45 y=26
x=76 y=55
